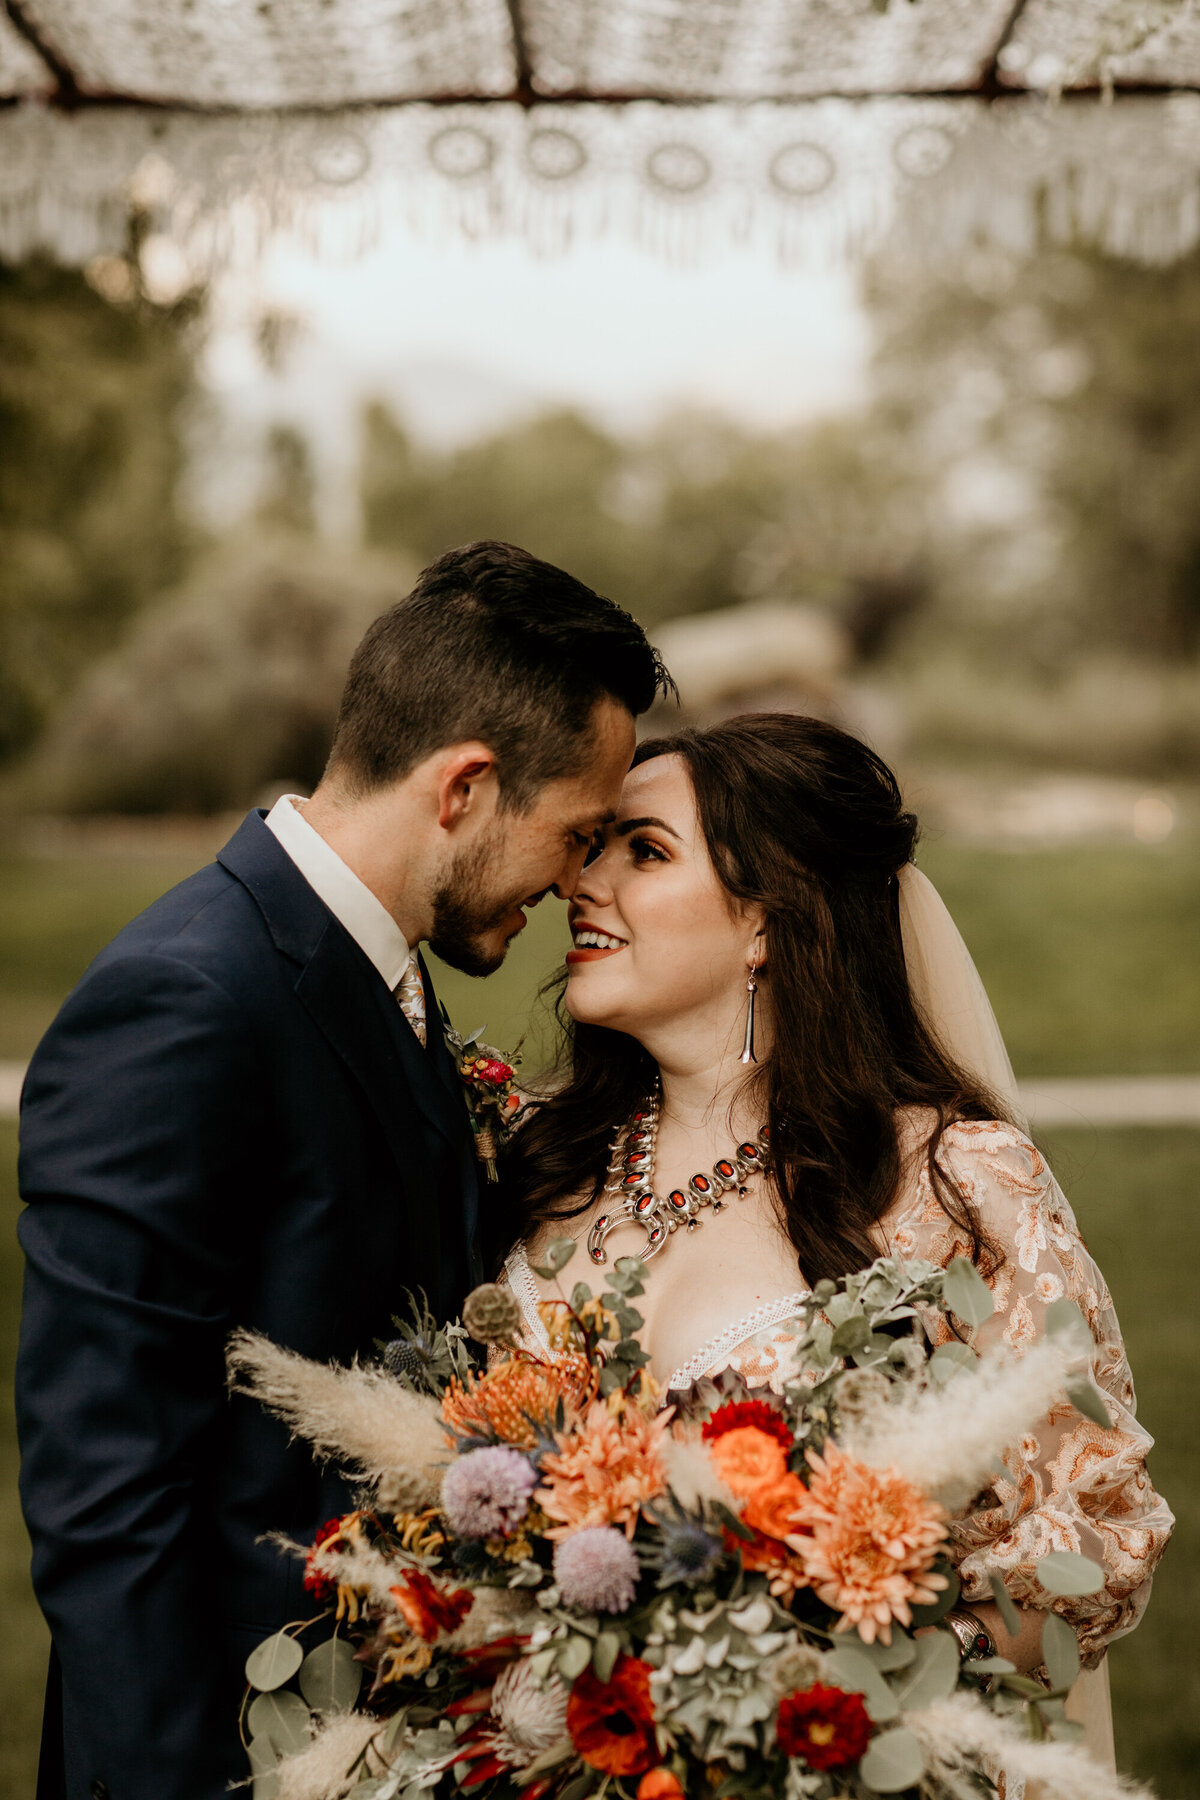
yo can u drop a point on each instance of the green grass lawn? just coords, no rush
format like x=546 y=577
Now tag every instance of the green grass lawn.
x=1093 y=961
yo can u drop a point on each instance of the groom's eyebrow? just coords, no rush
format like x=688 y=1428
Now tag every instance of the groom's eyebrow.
x=625 y=826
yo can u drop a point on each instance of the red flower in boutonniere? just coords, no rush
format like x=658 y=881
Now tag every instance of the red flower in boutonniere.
x=492 y=1100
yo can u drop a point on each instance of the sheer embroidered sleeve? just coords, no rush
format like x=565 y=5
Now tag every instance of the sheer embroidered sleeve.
x=1070 y=1484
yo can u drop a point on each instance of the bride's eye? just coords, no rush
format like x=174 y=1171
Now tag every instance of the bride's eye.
x=642 y=850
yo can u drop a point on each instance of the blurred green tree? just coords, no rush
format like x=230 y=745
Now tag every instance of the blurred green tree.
x=548 y=484
x=94 y=377
x=225 y=688
x=1053 y=404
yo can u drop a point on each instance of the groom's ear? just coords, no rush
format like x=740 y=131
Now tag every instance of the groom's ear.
x=466 y=779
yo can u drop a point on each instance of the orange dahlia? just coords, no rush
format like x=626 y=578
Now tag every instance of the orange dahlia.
x=773 y=1507
x=611 y=1723
x=748 y=1458
x=510 y=1401
x=604 y=1470
x=873 y=1537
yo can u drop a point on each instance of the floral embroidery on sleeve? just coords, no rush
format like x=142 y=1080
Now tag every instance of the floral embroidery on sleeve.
x=1072 y=1485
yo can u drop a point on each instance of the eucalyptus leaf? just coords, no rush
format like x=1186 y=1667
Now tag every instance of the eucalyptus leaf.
x=581 y=1293
x=1006 y=1605
x=967 y=1294
x=989 y=1665
x=1086 y=1397
x=263 y=1755
x=329 y=1676
x=933 y=1675
x=604 y=1655
x=887 y=1658
x=1060 y=1651
x=265 y=1785
x=850 y=1336
x=281 y=1716
x=1025 y=1685
x=582 y=1784
x=894 y=1761
x=574 y=1657
x=558 y=1254
x=273 y=1662
x=856 y=1675
x=612 y=1377
x=1067 y=1731
x=948 y=1360
x=1063 y=1319
x=937 y=1609
x=1065 y=1572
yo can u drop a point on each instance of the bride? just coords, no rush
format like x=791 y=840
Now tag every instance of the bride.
x=782 y=1065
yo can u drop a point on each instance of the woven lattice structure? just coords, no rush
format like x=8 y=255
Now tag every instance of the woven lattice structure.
x=683 y=121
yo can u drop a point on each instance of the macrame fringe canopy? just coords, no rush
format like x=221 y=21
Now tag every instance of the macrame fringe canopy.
x=684 y=124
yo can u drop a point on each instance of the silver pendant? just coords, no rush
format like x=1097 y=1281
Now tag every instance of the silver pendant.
x=631 y=1172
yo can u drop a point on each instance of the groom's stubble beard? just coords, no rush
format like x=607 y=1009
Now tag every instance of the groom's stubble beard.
x=467 y=907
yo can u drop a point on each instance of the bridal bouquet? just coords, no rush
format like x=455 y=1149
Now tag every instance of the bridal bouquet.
x=554 y=1586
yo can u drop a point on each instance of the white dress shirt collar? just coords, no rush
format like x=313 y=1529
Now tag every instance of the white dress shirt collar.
x=349 y=900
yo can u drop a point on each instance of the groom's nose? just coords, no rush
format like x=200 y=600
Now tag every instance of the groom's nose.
x=572 y=870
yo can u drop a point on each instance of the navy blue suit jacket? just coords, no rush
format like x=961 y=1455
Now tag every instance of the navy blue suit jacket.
x=229 y=1123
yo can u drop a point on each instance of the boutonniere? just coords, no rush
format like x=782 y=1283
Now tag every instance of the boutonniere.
x=488 y=1080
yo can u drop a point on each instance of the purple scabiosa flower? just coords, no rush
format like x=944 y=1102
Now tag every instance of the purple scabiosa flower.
x=486 y=1493
x=597 y=1569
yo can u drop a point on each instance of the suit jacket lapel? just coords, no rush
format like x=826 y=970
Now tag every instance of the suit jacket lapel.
x=349 y=1001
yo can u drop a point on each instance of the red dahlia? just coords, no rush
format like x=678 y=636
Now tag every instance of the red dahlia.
x=737 y=1413
x=322 y=1587
x=428 y=1609
x=823 y=1726
x=494 y=1072
x=612 y=1722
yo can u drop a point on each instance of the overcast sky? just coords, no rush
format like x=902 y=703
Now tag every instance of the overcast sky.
x=461 y=338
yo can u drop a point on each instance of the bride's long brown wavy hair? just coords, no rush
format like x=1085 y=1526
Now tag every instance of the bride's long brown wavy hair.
x=806 y=822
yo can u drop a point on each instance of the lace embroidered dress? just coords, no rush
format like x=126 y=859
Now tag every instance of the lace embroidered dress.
x=1068 y=1486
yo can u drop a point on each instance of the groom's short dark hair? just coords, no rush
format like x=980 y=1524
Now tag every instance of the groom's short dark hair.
x=491 y=644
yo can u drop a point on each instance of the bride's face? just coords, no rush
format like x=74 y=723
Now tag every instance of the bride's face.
x=674 y=948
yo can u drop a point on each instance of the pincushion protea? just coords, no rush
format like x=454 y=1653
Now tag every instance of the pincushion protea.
x=506 y=1402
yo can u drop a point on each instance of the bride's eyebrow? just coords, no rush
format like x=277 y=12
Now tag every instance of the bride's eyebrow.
x=624 y=826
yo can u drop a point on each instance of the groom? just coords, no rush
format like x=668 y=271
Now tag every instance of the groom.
x=246 y=1115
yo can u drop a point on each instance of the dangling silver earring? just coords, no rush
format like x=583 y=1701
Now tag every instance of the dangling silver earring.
x=748 y=1055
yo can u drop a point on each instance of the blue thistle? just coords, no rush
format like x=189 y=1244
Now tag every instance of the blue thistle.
x=688 y=1553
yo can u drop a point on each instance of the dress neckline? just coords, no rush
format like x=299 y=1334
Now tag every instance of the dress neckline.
x=738 y=1331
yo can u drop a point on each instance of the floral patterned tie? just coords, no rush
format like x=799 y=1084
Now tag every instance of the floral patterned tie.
x=410 y=992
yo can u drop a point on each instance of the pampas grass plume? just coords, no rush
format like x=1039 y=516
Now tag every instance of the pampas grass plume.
x=322 y=1772
x=959 y=1732
x=691 y=1475
x=949 y=1441
x=360 y=1416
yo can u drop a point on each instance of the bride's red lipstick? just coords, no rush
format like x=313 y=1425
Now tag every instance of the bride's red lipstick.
x=582 y=953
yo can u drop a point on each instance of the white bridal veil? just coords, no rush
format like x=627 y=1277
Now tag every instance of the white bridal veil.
x=946 y=986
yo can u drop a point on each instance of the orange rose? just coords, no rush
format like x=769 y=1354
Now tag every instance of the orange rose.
x=748 y=1459
x=772 y=1509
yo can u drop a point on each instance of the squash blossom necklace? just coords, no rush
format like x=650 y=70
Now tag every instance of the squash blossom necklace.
x=631 y=1183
